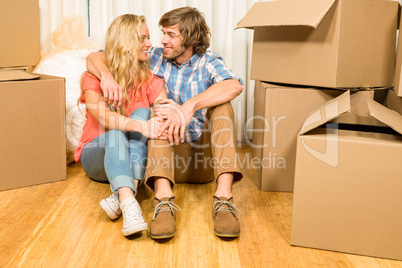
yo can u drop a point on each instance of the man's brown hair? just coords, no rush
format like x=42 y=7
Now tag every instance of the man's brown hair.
x=192 y=27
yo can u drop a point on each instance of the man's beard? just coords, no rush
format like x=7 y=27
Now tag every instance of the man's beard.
x=175 y=53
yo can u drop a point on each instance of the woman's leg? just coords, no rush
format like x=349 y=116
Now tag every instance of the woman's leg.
x=120 y=174
x=139 y=146
x=107 y=158
x=93 y=163
x=117 y=162
x=92 y=159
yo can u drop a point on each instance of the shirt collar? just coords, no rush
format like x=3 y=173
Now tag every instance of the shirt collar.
x=190 y=62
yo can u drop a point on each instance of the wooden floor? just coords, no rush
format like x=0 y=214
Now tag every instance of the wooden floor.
x=61 y=225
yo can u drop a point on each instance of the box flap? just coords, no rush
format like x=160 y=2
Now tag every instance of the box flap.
x=385 y=115
x=286 y=13
x=327 y=112
x=16 y=75
x=358 y=120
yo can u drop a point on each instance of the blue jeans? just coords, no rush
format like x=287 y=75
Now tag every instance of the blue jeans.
x=118 y=157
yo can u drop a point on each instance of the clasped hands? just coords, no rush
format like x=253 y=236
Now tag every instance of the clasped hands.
x=170 y=121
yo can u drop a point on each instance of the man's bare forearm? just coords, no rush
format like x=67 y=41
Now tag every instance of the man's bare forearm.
x=96 y=65
x=112 y=92
x=216 y=94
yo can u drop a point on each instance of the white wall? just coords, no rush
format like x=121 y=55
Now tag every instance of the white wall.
x=222 y=16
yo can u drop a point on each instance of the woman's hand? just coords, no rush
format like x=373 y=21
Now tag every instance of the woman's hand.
x=177 y=118
x=152 y=127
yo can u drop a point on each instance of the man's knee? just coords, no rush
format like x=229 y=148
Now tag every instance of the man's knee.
x=222 y=110
x=219 y=126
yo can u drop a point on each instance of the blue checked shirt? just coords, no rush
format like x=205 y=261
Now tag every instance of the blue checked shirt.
x=190 y=79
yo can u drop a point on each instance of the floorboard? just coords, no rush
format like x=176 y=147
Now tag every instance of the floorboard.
x=62 y=225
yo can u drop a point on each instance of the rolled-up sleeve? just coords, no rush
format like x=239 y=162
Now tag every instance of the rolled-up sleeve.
x=219 y=71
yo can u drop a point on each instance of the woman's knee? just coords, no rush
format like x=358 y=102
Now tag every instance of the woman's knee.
x=114 y=133
x=136 y=138
x=113 y=136
x=142 y=114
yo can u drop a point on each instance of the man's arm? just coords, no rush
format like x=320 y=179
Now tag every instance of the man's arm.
x=215 y=95
x=112 y=91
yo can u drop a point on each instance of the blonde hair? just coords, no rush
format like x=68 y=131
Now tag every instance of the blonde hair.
x=122 y=48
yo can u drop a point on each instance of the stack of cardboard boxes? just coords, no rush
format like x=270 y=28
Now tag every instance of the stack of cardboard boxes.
x=32 y=113
x=325 y=121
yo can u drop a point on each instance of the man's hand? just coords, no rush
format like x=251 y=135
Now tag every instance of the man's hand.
x=166 y=108
x=112 y=91
x=177 y=118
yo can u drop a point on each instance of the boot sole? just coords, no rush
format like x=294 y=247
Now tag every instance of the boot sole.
x=226 y=235
x=164 y=236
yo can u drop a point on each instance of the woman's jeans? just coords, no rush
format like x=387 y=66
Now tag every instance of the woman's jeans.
x=118 y=157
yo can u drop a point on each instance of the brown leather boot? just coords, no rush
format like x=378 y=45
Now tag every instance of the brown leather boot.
x=163 y=222
x=225 y=214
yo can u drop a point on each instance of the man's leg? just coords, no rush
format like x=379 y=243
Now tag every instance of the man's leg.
x=163 y=188
x=219 y=133
x=159 y=178
x=164 y=219
x=224 y=185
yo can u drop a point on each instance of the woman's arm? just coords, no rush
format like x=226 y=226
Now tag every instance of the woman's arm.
x=162 y=95
x=98 y=108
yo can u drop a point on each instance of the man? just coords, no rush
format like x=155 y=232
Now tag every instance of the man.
x=201 y=142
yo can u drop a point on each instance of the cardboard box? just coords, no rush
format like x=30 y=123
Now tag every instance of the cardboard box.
x=28 y=68
x=348 y=183
x=393 y=102
x=32 y=117
x=19 y=31
x=325 y=43
x=279 y=112
x=398 y=65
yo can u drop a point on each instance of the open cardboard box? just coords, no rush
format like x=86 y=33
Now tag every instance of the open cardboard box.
x=32 y=118
x=19 y=31
x=348 y=183
x=325 y=43
x=279 y=113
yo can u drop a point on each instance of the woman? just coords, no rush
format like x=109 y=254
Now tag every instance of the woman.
x=113 y=146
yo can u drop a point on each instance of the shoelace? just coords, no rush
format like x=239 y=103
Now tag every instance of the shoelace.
x=230 y=207
x=170 y=207
x=132 y=212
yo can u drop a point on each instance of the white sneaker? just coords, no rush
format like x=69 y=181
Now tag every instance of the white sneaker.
x=111 y=206
x=133 y=222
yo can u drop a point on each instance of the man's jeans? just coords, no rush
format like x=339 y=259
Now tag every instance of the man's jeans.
x=118 y=157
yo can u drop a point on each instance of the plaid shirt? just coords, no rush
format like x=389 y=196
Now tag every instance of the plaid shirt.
x=190 y=79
